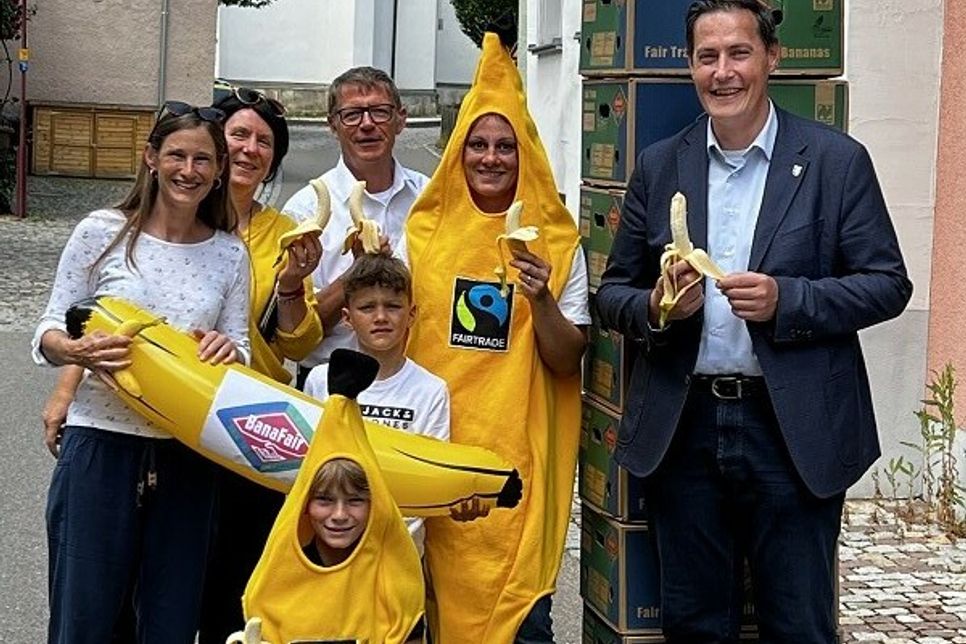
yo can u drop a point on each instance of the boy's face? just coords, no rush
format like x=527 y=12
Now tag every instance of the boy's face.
x=380 y=317
x=338 y=519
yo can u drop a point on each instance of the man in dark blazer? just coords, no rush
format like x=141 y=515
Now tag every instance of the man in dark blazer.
x=750 y=413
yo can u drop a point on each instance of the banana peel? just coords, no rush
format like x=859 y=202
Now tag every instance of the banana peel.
x=314 y=226
x=251 y=635
x=515 y=238
x=681 y=248
x=365 y=229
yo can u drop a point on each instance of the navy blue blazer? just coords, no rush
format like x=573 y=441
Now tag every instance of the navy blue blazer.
x=824 y=234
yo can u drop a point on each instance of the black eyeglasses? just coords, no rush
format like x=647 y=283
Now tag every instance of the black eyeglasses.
x=352 y=116
x=179 y=108
x=248 y=96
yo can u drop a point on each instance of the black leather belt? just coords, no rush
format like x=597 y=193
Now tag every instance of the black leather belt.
x=733 y=387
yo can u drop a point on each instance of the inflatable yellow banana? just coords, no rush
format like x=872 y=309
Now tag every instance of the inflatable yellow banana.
x=682 y=248
x=261 y=429
x=365 y=229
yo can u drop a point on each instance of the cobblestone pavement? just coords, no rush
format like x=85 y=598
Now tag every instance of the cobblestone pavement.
x=898 y=584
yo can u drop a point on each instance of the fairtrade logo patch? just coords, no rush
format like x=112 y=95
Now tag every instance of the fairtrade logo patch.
x=481 y=316
x=273 y=436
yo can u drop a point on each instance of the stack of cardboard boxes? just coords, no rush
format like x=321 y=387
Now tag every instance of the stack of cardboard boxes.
x=636 y=91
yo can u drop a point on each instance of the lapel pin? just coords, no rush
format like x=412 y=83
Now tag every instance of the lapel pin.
x=796 y=170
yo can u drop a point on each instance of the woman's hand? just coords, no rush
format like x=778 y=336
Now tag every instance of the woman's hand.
x=215 y=347
x=303 y=258
x=97 y=350
x=560 y=344
x=54 y=416
x=534 y=275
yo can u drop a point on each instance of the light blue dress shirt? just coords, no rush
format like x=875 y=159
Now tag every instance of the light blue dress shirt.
x=736 y=183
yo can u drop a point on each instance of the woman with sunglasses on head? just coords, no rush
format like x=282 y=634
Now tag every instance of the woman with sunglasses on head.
x=284 y=324
x=129 y=505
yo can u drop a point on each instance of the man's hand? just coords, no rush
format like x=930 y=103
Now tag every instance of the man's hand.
x=384 y=247
x=689 y=303
x=753 y=296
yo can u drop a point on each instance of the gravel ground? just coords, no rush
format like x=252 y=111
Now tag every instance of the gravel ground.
x=31 y=246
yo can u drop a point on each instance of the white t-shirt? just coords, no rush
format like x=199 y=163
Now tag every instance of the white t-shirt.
x=412 y=399
x=201 y=285
x=574 y=299
x=389 y=209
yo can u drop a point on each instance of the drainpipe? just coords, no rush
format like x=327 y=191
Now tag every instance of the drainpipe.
x=163 y=52
x=21 y=185
x=392 y=53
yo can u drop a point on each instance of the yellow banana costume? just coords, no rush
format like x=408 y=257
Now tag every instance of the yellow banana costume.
x=261 y=429
x=488 y=574
x=376 y=595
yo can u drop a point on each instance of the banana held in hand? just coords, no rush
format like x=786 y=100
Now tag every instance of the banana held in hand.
x=251 y=635
x=682 y=248
x=362 y=228
x=516 y=238
x=323 y=210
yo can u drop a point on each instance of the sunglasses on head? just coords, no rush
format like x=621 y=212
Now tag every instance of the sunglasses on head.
x=248 y=96
x=179 y=108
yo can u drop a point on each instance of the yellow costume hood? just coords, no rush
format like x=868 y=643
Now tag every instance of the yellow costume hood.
x=376 y=595
x=487 y=574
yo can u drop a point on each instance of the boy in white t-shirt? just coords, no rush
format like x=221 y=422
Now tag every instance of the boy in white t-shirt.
x=379 y=308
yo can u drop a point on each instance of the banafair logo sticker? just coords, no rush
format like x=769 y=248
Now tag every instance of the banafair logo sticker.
x=481 y=316
x=273 y=436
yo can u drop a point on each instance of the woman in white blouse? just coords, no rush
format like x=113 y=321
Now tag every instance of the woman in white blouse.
x=127 y=503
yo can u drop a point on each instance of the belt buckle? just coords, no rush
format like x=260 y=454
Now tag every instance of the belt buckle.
x=735 y=394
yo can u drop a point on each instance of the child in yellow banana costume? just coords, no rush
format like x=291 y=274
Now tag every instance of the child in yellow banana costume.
x=511 y=361
x=338 y=575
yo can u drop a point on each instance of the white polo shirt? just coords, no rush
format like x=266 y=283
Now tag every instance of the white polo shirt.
x=389 y=209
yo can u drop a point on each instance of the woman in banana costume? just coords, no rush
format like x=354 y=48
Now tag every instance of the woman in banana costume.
x=489 y=576
x=127 y=503
x=331 y=574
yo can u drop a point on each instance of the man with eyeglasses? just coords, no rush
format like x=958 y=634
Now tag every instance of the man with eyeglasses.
x=366 y=114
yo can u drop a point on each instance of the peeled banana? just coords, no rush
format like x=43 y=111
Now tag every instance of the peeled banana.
x=315 y=226
x=251 y=635
x=516 y=238
x=365 y=229
x=681 y=248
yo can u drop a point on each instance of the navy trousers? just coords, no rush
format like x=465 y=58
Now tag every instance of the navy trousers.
x=245 y=515
x=728 y=490
x=537 y=626
x=123 y=512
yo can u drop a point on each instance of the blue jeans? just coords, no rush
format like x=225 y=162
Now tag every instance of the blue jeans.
x=728 y=490
x=537 y=627
x=109 y=528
